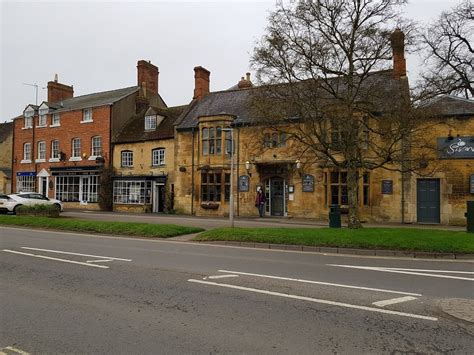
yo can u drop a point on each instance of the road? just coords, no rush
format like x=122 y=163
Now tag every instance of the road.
x=76 y=293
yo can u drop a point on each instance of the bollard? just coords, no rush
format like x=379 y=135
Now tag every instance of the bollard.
x=334 y=216
x=470 y=217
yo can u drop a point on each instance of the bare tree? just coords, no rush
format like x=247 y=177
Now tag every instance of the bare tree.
x=321 y=72
x=448 y=47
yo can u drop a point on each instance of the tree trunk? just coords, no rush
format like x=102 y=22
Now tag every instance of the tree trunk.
x=352 y=193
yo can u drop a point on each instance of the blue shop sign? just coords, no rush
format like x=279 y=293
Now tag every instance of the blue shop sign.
x=25 y=173
x=456 y=147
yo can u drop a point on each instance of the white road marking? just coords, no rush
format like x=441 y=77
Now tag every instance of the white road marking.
x=98 y=261
x=322 y=283
x=69 y=253
x=315 y=300
x=394 y=301
x=16 y=350
x=402 y=272
x=437 y=271
x=56 y=259
x=221 y=276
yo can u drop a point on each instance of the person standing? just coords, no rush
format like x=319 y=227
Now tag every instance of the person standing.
x=260 y=201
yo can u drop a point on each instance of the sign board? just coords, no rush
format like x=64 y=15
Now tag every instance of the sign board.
x=25 y=173
x=243 y=183
x=456 y=147
x=387 y=187
x=308 y=183
x=471 y=184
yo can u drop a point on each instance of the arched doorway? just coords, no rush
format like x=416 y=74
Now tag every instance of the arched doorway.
x=275 y=192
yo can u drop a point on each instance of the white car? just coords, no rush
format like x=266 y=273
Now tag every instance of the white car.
x=13 y=201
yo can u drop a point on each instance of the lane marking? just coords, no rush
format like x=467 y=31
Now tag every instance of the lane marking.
x=98 y=261
x=322 y=283
x=56 y=259
x=16 y=350
x=70 y=253
x=394 y=301
x=403 y=272
x=220 y=276
x=425 y=270
x=315 y=300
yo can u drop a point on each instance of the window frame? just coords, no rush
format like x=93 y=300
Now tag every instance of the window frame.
x=150 y=119
x=41 y=150
x=43 y=118
x=55 y=156
x=55 y=120
x=96 y=150
x=74 y=147
x=127 y=157
x=27 y=153
x=160 y=155
x=87 y=115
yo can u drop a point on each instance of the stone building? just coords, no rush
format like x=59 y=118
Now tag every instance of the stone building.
x=6 y=143
x=61 y=147
x=144 y=155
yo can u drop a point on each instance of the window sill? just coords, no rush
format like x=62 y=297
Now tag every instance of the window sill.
x=26 y=127
x=75 y=159
x=94 y=157
x=55 y=125
x=126 y=166
x=42 y=126
x=158 y=166
x=40 y=161
x=25 y=161
x=53 y=160
x=91 y=121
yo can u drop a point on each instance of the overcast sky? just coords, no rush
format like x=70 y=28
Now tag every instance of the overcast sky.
x=94 y=45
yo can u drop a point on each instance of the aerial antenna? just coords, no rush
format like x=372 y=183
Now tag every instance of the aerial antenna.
x=36 y=89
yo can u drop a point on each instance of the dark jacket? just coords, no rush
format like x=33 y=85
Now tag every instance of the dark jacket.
x=260 y=199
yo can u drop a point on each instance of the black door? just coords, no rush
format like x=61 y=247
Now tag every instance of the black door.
x=277 y=196
x=428 y=200
x=44 y=186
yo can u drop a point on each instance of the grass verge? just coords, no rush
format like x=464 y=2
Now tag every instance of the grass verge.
x=366 y=238
x=102 y=227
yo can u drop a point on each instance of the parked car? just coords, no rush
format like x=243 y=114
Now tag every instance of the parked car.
x=14 y=201
x=3 y=203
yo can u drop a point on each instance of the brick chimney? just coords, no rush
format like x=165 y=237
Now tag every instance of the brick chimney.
x=58 y=92
x=397 y=39
x=245 y=82
x=201 y=82
x=147 y=76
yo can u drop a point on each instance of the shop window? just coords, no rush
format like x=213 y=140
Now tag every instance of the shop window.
x=133 y=192
x=77 y=188
x=25 y=183
x=127 y=158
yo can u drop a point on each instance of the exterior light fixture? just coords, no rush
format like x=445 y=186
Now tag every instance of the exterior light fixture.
x=248 y=165
x=298 y=164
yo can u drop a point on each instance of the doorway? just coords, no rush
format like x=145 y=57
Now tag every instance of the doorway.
x=428 y=201
x=43 y=186
x=158 y=198
x=275 y=193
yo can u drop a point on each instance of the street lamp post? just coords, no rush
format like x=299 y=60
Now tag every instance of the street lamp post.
x=231 y=197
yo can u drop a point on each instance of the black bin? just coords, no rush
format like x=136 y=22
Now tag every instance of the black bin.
x=334 y=216
x=470 y=216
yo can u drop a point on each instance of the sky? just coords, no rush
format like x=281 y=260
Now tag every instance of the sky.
x=95 y=45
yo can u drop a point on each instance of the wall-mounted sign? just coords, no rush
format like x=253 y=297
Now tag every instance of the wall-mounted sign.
x=387 y=187
x=471 y=184
x=308 y=183
x=456 y=148
x=25 y=173
x=243 y=183
x=291 y=189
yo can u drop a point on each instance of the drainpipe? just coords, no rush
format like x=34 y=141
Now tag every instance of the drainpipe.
x=238 y=166
x=192 y=175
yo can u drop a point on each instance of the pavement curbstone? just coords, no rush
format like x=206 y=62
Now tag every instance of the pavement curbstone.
x=277 y=246
x=311 y=249
x=329 y=250
x=232 y=243
x=262 y=245
x=464 y=256
x=445 y=256
x=247 y=244
x=384 y=253
x=424 y=255
x=294 y=247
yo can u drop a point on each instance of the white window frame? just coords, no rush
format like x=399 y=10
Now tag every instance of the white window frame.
x=28 y=120
x=54 y=157
x=150 y=123
x=132 y=192
x=96 y=149
x=25 y=183
x=41 y=152
x=87 y=115
x=158 y=157
x=26 y=153
x=43 y=118
x=75 y=149
x=55 y=120
x=77 y=188
x=126 y=158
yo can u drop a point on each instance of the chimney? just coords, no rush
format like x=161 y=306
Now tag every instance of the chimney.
x=245 y=82
x=58 y=92
x=201 y=82
x=147 y=76
x=397 y=39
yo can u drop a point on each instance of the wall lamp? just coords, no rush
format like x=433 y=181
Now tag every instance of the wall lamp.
x=248 y=165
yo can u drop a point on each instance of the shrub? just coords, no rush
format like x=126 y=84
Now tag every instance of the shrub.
x=41 y=210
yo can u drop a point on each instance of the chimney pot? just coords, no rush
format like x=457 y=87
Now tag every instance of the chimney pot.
x=248 y=76
x=55 y=78
x=201 y=82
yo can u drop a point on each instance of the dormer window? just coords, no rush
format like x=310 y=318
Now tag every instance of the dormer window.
x=42 y=118
x=150 y=122
x=29 y=113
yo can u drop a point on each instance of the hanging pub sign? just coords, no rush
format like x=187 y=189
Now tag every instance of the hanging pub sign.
x=387 y=187
x=308 y=183
x=456 y=147
x=243 y=183
x=471 y=184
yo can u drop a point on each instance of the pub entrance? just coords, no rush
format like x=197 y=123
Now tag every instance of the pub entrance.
x=275 y=193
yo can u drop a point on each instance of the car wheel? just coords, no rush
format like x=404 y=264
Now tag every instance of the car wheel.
x=57 y=206
x=16 y=208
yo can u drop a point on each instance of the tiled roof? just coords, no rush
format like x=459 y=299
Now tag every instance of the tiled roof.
x=134 y=129
x=447 y=105
x=6 y=129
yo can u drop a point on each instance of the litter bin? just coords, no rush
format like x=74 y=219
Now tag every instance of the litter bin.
x=470 y=216
x=334 y=216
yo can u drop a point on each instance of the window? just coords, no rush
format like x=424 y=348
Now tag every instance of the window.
x=228 y=142
x=55 y=120
x=76 y=148
x=226 y=187
x=158 y=157
x=336 y=135
x=338 y=188
x=27 y=151
x=87 y=115
x=41 y=150
x=212 y=141
x=366 y=189
x=150 y=122
x=96 y=145
x=274 y=140
x=210 y=187
x=25 y=183
x=29 y=120
x=133 y=192
x=77 y=188
x=55 y=149
x=42 y=117
x=127 y=158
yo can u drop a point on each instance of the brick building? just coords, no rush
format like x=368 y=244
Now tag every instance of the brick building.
x=62 y=146
x=6 y=145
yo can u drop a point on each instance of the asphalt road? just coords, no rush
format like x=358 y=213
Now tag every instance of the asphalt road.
x=73 y=293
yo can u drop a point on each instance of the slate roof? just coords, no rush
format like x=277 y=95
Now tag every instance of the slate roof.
x=134 y=129
x=7 y=172
x=93 y=100
x=447 y=105
x=6 y=129
x=238 y=102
